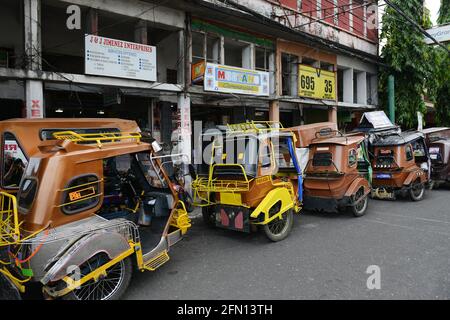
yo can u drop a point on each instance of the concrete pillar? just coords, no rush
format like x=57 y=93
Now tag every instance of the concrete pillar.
x=361 y=95
x=216 y=51
x=32 y=28
x=92 y=22
x=221 y=50
x=185 y=134
x=34 y=94
x=374 y=89
x=188 y=48
x=273 y=72
x=248 y=57
x=348 y=85
x=294 y=77
x=181 y=53
x=332 y=114
x=140 y=32
x=274 y=110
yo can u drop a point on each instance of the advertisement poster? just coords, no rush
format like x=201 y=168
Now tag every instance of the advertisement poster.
x=11 y=148
x=228 y=79
x=117 y=58
x=316 y=83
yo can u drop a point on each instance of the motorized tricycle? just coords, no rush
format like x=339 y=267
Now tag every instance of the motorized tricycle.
x=91 y=207
x=338 y=174
x=401 y=165
x=20 y=139
x=438 y=142
x=254 y=180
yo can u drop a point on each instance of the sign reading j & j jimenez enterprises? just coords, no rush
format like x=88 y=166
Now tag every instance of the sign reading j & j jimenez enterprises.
x=117 y=58
x=228 y=79
x=316 y=83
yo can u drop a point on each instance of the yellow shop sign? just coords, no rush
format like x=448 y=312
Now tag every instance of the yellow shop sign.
x=316 y=83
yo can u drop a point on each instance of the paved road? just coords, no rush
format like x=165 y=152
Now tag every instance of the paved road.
x=325 y=257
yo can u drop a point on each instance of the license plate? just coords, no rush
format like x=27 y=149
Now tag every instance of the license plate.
x=383 y=176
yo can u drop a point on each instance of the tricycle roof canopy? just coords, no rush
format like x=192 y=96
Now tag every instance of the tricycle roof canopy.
x=306 y=133
x=398 y=139
x=340 y=140
x=375 y=120
x=434 y=130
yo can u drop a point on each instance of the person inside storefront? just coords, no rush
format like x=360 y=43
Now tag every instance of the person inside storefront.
x=14 y=168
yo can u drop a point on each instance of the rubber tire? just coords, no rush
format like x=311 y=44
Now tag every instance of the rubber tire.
x=414 y=197
x=208 y=218
x=362 y=212
x=289 y=215
x=128 y=270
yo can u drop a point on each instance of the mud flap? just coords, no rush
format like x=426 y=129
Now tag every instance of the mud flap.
x=7 y=289
x=233 y=218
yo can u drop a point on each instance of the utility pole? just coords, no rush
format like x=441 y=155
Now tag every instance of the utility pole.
x=391 y=98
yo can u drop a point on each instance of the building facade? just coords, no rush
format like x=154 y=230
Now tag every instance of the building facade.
x=168 y=64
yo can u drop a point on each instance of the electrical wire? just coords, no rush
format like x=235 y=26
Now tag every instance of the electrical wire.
x=415 y=24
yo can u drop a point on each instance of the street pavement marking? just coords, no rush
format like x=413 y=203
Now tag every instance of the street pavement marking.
x=411 y=217
x=407 y=227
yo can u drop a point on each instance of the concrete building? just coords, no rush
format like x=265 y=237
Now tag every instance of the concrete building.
x=211 y=60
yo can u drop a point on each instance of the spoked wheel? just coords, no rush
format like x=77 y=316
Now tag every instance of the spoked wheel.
x=108 y=287
x=278 y=229
x=417 y=191
x=361 y=201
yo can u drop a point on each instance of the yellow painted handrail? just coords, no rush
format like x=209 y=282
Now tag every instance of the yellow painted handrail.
x=97 y=137
x=255 y=126
x=9 y=220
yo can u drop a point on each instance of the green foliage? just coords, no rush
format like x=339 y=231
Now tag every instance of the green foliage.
x=409 y=59
x=444 y=12
x=441 y=95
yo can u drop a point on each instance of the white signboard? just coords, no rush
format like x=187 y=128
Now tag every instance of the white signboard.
x=228 y=79
x=441 y=34
x=117 y=58
x=378 y=119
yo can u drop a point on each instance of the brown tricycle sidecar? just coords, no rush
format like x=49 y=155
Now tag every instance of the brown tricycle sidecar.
x=338 y=173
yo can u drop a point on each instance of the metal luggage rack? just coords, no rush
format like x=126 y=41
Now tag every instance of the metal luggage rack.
x=255 y=126
x=98 y=138
x=206 y=185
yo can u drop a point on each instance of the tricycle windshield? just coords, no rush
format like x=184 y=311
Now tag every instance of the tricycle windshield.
x=385 y=157
x=238 y=149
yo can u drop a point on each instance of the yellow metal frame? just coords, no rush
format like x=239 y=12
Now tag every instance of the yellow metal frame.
x=180 y=220
x=203 y=187
x=9 y=220
x=230 y=191
x=90 y=196
x=19 y=284
x=97 y=137
x=252 y=126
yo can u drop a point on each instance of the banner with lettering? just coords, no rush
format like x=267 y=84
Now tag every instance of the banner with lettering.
x=316 y=83
x=118 y=58
x=227 y=79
